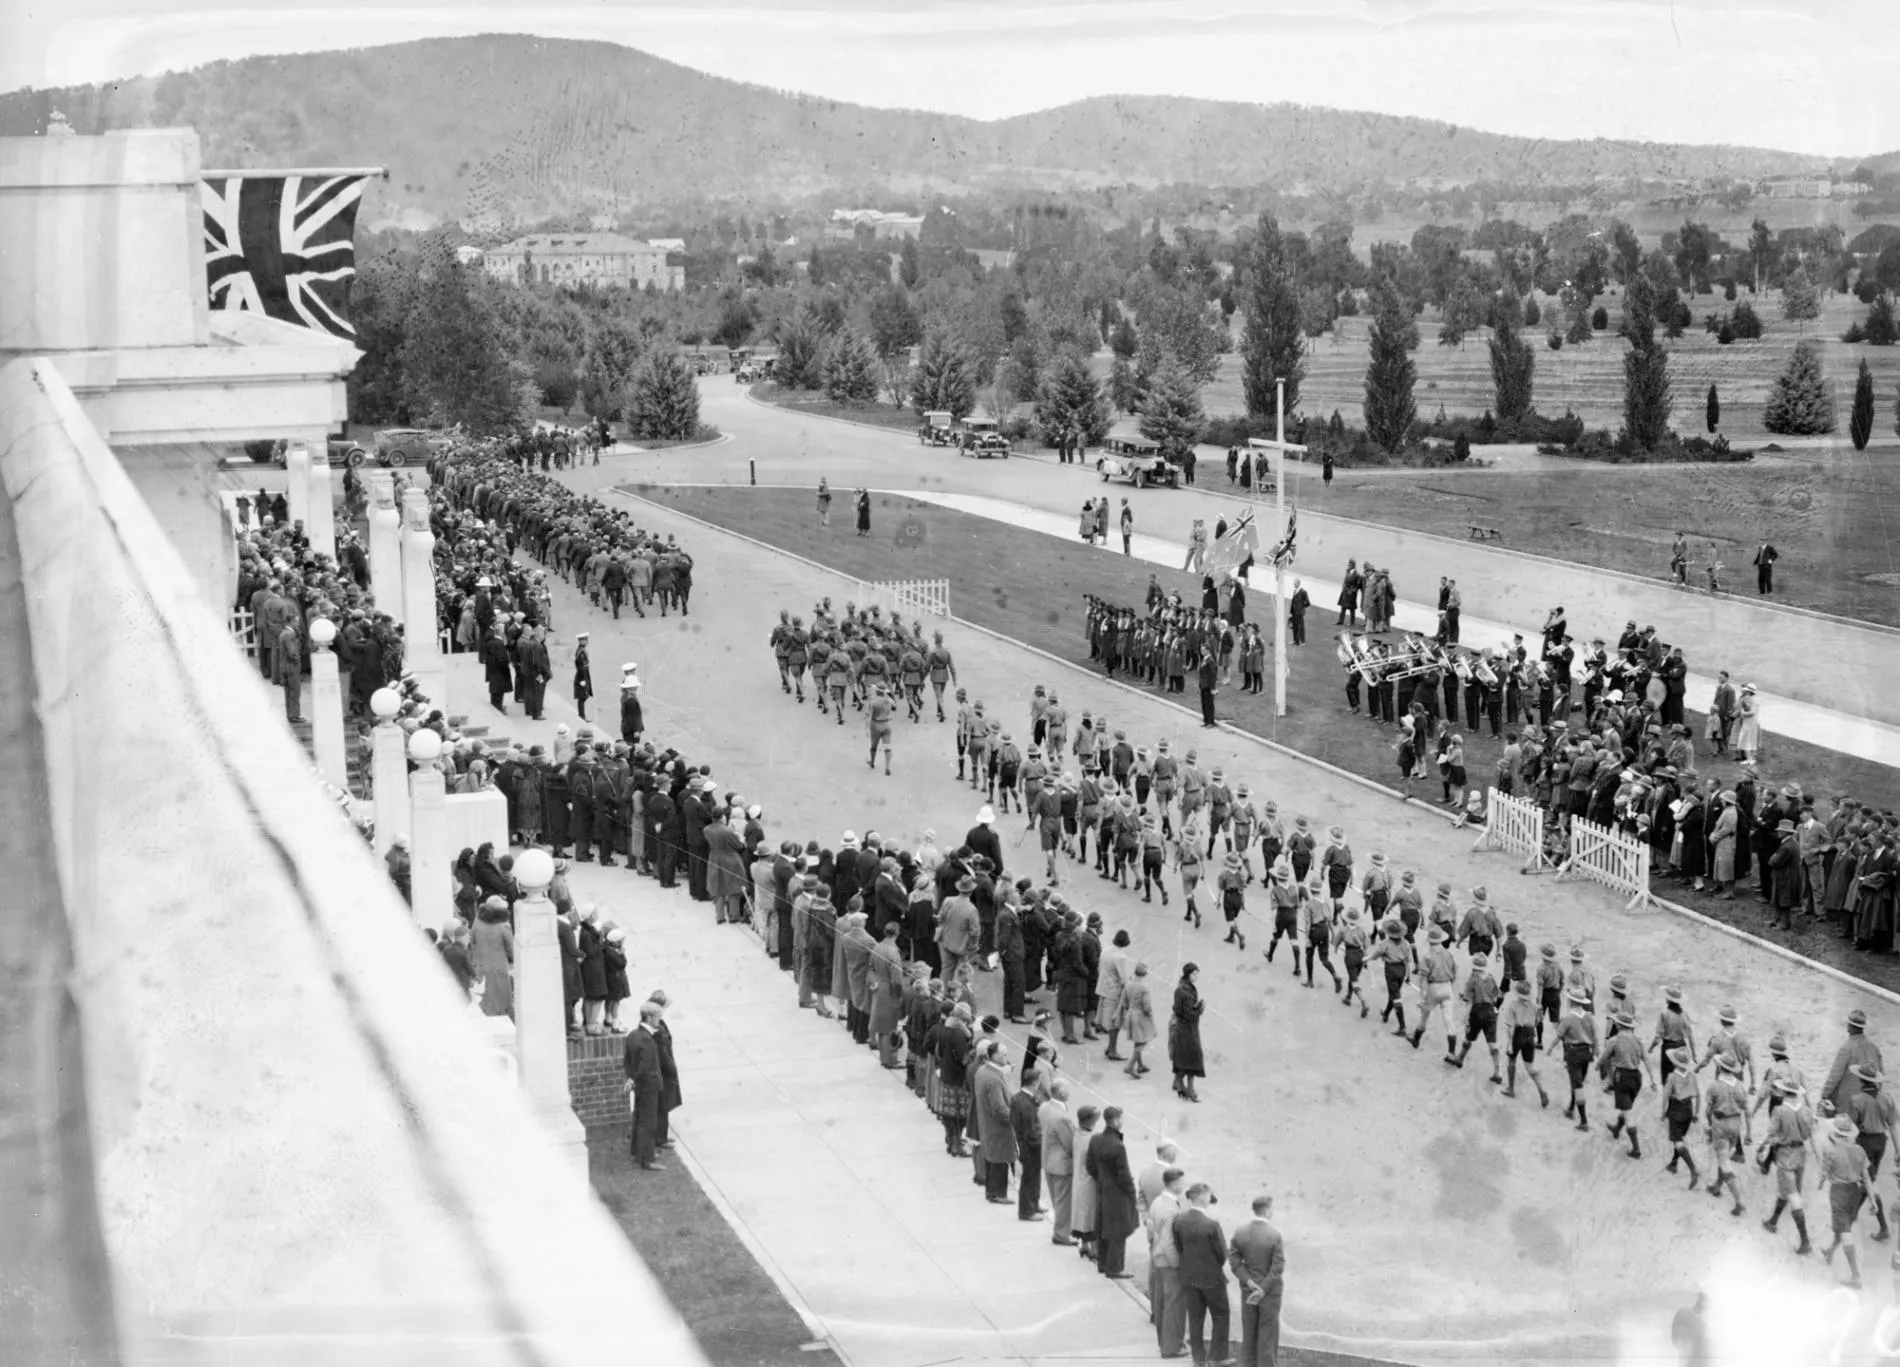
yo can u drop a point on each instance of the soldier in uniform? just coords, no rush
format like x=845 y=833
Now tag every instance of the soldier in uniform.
x=882 y=708
x=797 y=655
x=966 y=724
x=910 y=673
x=942 y=669
x=1034 y=774
x=1055 y=723
x=782 y=649
x=1166 y=774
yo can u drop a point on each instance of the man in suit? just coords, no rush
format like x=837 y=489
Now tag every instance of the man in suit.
x=1167 y=1310
x=1058 y=1158
x=1203 y=1249
x=288 y=662
x=995 y=1130
x=1026 y=1121
x=641 y=1059
x=1258 y=1258
x=669 y=1074
x=1765 y=558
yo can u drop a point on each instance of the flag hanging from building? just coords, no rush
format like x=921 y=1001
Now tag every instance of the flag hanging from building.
x=1235 y=547
x=284 y=246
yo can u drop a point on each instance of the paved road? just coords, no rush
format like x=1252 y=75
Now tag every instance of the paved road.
x=1820 y=661
x=1430 y=1219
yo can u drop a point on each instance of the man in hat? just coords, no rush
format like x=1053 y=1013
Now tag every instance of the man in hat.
x=1729 y=1041
x=1396 y=956
x=1624 y=1066
x=878 y=718
x=1438 y=972
x=1785 y=1150
x=1845 y=1173
x=958 y=929
x=1728 y=1126
x=1841 y=1086
x=1520 y=1021
x=640 y=1060
x=1874 y=1115
x=1576 y=1035
x=1481 y=1015
x=1787 y=880
x=1479 y=930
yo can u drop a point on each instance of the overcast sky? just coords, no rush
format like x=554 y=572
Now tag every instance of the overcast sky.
x=1814 y=76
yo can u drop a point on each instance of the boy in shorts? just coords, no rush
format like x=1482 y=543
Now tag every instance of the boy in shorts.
x=1790 y=1140
x=1728 y=1126
x=881 y=711
x=1353 y=942
x=1623 y=1068
x=1396 y=956
x=1576 y=1035
x=1521 y=1021
x=1481 y=1014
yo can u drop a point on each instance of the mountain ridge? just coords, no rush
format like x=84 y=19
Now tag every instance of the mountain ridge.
x=512 y=126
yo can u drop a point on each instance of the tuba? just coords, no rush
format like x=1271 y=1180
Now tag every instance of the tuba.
x=1461 y=665
x=1487 y=676
x=1347 y=655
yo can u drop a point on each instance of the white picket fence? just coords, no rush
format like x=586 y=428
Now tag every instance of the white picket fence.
x=1618 y=861
x=244 y=632
x=918 y=597
x=1515 y=824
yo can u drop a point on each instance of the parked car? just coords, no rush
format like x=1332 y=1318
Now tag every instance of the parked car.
x=979 y=437
x=936 y=429
x=1134 y=458
x=343 y=452
x=398 y=446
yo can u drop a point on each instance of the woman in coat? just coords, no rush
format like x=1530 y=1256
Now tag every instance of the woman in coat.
x=1084 y=1197
x=1722 y=846
x=1111 y=983
x=593 y=971
x=855 y=942
x=765 y=897
x=1692 y=828
x=492 y=956
x=1072 y=984
x=726 y=877
x=888 y=982
x=1184 y=1033
x=468 y=890
x=614 y=953
x=528 y=799
x=1138 y=1019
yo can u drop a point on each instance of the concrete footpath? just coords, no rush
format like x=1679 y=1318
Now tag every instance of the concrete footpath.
x=1428 y=1219
x=1781 y=716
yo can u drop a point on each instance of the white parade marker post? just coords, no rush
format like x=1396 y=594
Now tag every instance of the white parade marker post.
x=422 y=643
x=297 y=469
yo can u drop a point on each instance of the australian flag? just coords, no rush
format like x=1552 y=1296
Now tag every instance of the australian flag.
x=283 y=245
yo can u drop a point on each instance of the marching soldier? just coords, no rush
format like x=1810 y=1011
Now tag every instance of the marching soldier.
x=942 y=669
x=966 y=725
x=782 y=650
x=910 y=673
x=797 y=654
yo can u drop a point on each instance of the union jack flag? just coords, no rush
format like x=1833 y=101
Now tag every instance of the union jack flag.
x=283 y=245
x=1235 y=548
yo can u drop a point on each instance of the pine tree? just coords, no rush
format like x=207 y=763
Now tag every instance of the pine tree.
x=454 y=362
x=801 y=354
x=1880 y=329
x=1646 y=396
x=1513 y=363
x=1390 y=374
x=1271 y=345
x=850 y=370
x=663 y=398
x=1070 y=406
x=1124 y=390
x=1799 y=403
x=908 y=270
x=1171 y=412
x=895 y=328
x=1799 y=301
x=1123 y=340
x=612 y=354
x=942 y=379
x=1861 y=425
x=1712 y=410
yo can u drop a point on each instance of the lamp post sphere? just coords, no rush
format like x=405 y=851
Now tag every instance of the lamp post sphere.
x=322 y=632
x=534 y=870
x=385 y=703
x=425 y=746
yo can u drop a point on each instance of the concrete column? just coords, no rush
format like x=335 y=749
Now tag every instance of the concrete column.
x=180 y=486
x=431 y=884
x=326 y=706
x=388 y=772
x=385 y=544
x=541 y=1012
x=320 y=521
x=297 y=466
x=422 y=655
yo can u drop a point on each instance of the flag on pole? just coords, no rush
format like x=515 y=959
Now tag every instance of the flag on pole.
x=284 y=245
x=1283 y=550
x=1234 y=549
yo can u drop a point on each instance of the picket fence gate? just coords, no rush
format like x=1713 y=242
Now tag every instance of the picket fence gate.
x=244 y=632
x=1515 y=824
x=916 y=596
x=1609 y=857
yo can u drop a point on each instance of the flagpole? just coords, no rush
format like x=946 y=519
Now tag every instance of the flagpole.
x=1279 y=561
x=251 y=172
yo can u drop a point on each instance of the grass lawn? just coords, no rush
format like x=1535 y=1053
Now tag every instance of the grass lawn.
x=809 y=401
x=992 y=567
x=733 y=1308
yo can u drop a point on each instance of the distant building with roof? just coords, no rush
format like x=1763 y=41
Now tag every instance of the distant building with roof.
x=845 y=222
x=597 y=260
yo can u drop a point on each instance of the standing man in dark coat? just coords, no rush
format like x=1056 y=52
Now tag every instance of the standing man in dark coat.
x=580 y=798
x=693 y=817
x=288 y=662
x=497 y=667
x=1258 y=1257
x=641 y=1060
x=1026 y=1120
x=1203 y=1250
x=983 y=840
x=632 y=716
x=660 y=820
x=535 y=671
x=1765 y=558
x=995 y=1128
x=1209 y=675
x=669 y=1072
x=583 y=675
x=565 y=931
x=1117 y=1215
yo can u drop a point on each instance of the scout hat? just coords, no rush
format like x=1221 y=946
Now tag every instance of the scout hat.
x=1778 y=1046
x=1479 y=958
x=1624 y=1019
x=1787 y=1086
x=1866 y=1072
x=1857 y=1019
x=1233 y=859
x=1408 y=878
x=1673 y=994
x=1437 y=935
x=1394 y=930
x=1728 y=1063
x=1378 y=859
x=1844 y=1128
x=1336 y=833
x=1727 y=1014
x=1576 y=954
x=1619 y=984
x=1522 y=987
x=1548 y=950
x=1682 y=1058
x=1578 y=996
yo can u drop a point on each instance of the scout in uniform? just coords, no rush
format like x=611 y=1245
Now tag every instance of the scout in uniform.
x=1444 y=915
x=1779 y=1070
x=1353 y=941
x=1392 y=952
x=1038 y=710
x=1088 y=813
x=1045 y=813
x=1055 y=730
x=1008 y=768
x=1220 y=808
x=838 y=680
x=883 y=708
x=1154 y=851
x=1478 y=932
x=1581 y=979
x=1071 y=805
x=1299 y=849
x=977 y=742
x=873 y=673
x=1284 y=896
x=1187 y=859
x=1550 y=989
x=1376 y=886
x=942 y=670
x=1785 y=1150
x=1845 y=1173
x=1034 y=775
x=966 y=723
x=1681 y=1097
x=1439 y=971
x=1316 y=932
x=1727 y=1039
x=1481 y=1014
x=1167 y=771
x=1576 y=1035
x=1335 y=864
x=1241 y=821
x=1233 y=900
x=1874 y=1115
x=1673 y=1032
x=1193 y=787
x=1272 y=839
x=1521 y=1022
x=781 y=648
x=1728 y=1126
x=1623 y=1067
x=910 y=673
